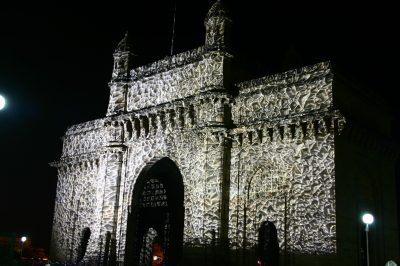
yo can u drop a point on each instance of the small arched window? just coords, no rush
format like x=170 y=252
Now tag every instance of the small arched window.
x=85 y=242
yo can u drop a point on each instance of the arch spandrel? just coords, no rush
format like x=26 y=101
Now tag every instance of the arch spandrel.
x=260 y=197
x=138 y=174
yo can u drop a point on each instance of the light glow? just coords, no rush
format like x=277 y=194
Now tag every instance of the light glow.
x=2 y=102
x=23 y=239
x=368 y=218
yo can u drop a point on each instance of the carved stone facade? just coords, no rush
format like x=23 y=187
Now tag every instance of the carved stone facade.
x=190 y=162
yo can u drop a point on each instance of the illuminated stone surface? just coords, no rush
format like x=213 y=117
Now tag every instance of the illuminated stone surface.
x=266 y=154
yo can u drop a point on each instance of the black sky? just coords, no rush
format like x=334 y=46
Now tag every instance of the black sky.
x=56 y=60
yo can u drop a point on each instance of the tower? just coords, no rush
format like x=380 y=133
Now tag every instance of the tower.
x=217 y=27
x=123 y=59
x=123 y=62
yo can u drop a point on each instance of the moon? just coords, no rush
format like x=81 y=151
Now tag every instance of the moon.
x=2 y=102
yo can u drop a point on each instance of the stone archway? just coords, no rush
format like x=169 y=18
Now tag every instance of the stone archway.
x=157 y=207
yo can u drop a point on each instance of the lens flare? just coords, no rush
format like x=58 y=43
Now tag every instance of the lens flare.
x=2 y=102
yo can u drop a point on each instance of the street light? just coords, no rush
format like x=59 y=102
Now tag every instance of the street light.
x=23 y=239
x=367 y=219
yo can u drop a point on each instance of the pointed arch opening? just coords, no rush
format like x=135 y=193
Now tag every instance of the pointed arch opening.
x=155 y=223
x=268 y=247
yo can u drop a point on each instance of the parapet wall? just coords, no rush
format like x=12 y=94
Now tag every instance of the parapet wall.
x=291 y=93
x=169 y=80
x=178 y=83
x=83 y=138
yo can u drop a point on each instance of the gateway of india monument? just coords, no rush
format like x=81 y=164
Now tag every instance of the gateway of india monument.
x=196 y=164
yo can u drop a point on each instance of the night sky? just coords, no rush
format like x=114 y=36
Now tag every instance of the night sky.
x=56 y=60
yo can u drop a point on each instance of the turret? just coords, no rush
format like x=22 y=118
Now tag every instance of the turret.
x=123 y=60
x=217 y=27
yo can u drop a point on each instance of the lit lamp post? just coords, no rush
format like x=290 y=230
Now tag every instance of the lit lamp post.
x=367 y=219
x=23 y=239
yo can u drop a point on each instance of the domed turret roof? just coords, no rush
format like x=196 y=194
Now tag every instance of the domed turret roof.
x=217 y=9
x=124 y=45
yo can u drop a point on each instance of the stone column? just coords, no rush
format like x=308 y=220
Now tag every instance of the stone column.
x=219 y=105
x=310 y=133
x=159 y=124
x=142 y=128
x=152 y=127
x=198 y=117
x=287 y=134
x=114 y=159
x=169 y=121
x=265 y=134
x=216 y=192
x=188 y=121
x=298 y=131
x=225 y=175
x=178 y=118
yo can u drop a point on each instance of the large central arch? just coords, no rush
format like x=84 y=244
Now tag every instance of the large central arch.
x=155 y=223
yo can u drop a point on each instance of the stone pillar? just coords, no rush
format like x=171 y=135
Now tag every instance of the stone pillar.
x=114 y=159
x=127 y=130
x=178 y=118
x=276 y=134
x=117 y=103
x=159 y=124
x=188 y=120
x=198 y=117
x=287 y=132
x=142 y=128
x=255 y=137
x=169 y=119
x=225 y=175
x=216 y=201
x=219 y=105
x=310 y=130
x=265 y=134
x=298 y=130
x=152 y=126
x=246 y=138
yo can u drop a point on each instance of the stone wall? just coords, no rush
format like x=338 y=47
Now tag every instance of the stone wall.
x=290 y=93
x=83 y=138
x=285 y=177
x=77 y=204
x=174 y=78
